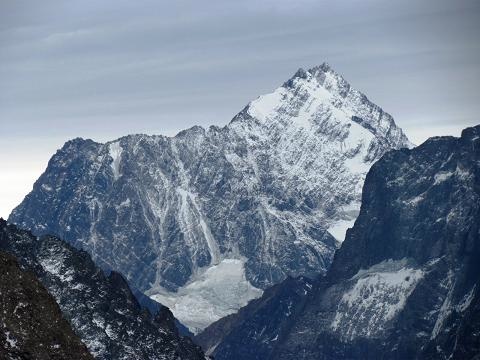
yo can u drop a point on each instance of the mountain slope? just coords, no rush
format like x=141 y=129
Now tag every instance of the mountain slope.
x=32 y=325
x=102 y=309
x=258 y=199
x=405 y=283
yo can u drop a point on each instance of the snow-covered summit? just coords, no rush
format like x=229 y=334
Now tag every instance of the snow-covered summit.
x=322 y=131
x=275 y=190
x=321 y=88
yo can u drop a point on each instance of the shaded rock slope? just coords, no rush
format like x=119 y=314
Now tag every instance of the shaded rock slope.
x=267 y=196
x=404 y=285
x=32 y=325
x=101 y=309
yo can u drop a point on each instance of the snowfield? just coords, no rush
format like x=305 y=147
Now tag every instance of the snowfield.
x=215 y=293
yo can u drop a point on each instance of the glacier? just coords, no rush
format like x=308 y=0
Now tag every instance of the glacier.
x=218 y=291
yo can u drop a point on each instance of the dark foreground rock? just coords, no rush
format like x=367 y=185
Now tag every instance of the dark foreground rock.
x=101 y=308
x=31 y=323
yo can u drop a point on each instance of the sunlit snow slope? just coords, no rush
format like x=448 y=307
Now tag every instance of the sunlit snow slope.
x=264 y=193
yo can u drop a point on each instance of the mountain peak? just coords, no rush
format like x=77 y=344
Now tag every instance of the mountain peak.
x=265 y=197
x=471 y=133
x=324 y=68
x=316 y=72
x=321 y=95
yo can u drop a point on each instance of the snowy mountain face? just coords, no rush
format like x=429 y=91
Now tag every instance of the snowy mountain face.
x=405 y=282
x=101 y=309
x=269 y=195
x=32 y=325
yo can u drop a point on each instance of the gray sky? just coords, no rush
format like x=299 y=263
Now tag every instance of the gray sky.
x=103 y=69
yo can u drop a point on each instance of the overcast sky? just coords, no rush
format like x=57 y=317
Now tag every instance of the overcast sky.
x=103 y=69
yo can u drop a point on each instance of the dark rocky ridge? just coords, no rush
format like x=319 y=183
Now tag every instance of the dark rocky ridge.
x=32 y=325
x=102 y=309
x=406 y=282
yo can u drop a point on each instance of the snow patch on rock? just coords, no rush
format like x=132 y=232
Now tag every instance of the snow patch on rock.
x=11 y=341
x=115 y=151
x=54 y=267
x=376 y=297
x=46 y=187
x=442 y=176
x=339 y=228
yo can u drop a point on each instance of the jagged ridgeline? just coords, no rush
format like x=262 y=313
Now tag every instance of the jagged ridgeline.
x=101 y=309
x=205 y=220
x=405 y=284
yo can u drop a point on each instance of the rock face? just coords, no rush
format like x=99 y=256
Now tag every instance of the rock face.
x=267 y=192
x=101 y=309
x=406 y=282
x=32 y=325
